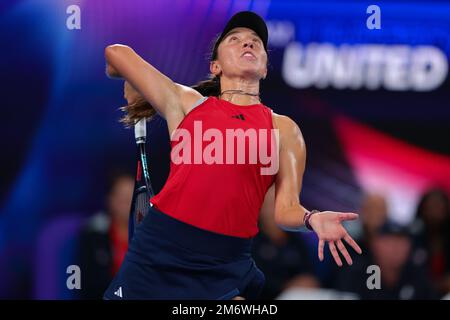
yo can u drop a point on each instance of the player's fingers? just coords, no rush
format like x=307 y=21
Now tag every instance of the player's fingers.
x=335 y=254
x=320 y=249
x=347 y=216
x=352 y=243
x=344 y=252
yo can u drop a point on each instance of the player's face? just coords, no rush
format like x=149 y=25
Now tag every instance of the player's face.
x=241 y=54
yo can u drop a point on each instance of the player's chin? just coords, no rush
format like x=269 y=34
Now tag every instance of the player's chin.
x=250 y=72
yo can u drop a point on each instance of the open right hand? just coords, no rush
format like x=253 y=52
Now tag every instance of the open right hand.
x=328 y=227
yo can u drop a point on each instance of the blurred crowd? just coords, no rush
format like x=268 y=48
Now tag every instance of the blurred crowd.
x=411 y=261
x=103 y=240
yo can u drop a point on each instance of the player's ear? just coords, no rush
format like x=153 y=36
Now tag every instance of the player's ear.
x=214 y=68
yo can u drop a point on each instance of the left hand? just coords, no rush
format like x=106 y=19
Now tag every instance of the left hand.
x=328 y=226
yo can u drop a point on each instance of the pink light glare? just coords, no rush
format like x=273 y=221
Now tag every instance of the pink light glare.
x=386 y=165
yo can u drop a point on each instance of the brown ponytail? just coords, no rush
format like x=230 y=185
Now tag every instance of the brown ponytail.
x=208 y=88
x=136 y=111
x=142 y=109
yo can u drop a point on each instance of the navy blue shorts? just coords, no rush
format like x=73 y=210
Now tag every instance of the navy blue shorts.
x=169 y=259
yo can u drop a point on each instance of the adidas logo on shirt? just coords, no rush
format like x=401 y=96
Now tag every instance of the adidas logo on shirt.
x=118 y=292
x=239 y=116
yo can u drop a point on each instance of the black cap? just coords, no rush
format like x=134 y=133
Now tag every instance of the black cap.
x=245 y=19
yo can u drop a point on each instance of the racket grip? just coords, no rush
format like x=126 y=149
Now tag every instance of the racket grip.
x=140 y=129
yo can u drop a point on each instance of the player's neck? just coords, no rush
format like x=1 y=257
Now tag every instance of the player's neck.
x=240 y=91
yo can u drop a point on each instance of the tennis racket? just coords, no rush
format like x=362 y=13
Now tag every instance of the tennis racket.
x=143 y=190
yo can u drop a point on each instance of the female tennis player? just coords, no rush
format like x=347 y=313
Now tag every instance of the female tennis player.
x=195 y=241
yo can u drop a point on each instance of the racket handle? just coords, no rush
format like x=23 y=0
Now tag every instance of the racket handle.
x=140 y=130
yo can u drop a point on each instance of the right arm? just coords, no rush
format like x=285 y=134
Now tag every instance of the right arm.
x=171 y=100
x=289 y=213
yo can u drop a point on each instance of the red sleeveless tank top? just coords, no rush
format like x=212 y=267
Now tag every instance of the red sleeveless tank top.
x=223 y=161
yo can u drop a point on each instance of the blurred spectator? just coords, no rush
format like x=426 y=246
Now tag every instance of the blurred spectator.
x=374 y=213
x=389 y=248
x=305 y=293
x=431 y=228
x=104 y=239
x=283 y=258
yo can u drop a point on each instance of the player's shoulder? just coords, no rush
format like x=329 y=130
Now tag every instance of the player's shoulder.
x=285 y=124
x=188 y=97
